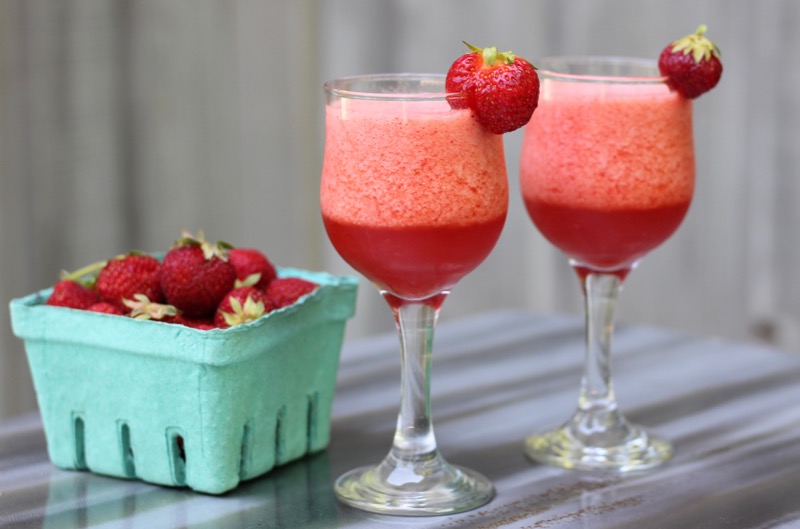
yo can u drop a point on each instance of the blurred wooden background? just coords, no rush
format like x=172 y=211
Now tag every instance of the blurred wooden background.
x=123 y=122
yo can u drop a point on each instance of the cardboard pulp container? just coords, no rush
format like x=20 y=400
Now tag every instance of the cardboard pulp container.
x=177 y=406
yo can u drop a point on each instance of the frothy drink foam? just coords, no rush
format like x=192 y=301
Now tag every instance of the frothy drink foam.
x=608 y=146
x=410 y=164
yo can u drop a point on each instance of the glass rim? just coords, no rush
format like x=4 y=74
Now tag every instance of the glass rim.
x=338 y=87
x=545 y=69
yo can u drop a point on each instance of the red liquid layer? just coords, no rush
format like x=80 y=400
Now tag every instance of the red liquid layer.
x=610 y=238
x=414 y=262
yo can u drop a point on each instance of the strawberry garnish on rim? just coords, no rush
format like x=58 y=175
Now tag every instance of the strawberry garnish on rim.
x=692 y=64
x=500 y=88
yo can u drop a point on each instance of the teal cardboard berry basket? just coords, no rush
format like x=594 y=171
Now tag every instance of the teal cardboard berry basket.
x=176 y=406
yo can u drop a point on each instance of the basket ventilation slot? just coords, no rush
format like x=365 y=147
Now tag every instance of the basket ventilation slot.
x=177 y=452
x=129 y=467
x=247 y=450
x=280 y=441
x=311 y=421
x=80 y=441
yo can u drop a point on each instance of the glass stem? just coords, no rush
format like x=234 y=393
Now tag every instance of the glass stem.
x=597 y=405
x=414 y=478
x=414 y=442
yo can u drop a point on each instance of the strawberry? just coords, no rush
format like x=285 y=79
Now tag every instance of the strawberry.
x=144 y=309
x=140 y=307
x=72 y=294
x=284 y=291
x=202 y=324
x=242 y=305
x=691 y=64
x=196 y=275
x=253 y=268
x=501 y=89
x=124 y=277
x=106 y=308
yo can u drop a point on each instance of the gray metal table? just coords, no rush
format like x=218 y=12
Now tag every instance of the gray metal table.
x=730 y=409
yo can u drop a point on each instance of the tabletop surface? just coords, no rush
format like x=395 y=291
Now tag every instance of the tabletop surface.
x=730 y=410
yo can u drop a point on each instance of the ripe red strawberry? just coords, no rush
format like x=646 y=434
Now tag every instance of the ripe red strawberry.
x=72 y=294
x=144 y=309
x=249 y=262
x=202 y=324
x=106 y=308
x=284 y=291
x=692 y=64
x=140 y=307
x=124 y=277
x=196 y=275
x=242 y=305
x=501 y=89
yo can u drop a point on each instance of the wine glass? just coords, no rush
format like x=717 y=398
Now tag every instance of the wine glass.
x=606 y=174
x=414 y=195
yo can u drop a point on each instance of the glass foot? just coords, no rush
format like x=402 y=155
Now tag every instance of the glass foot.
x=628 y=450
x=409 y=491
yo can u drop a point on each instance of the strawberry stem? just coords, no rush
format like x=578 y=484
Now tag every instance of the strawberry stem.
x=86 y=270
x=698 y=45
x=472 y=48
x=490 y=55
